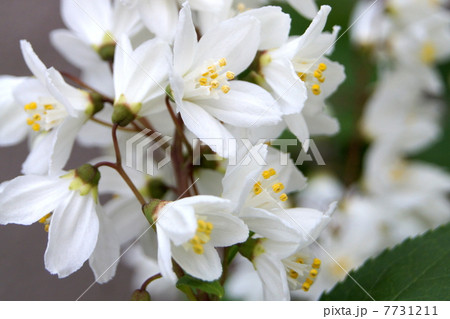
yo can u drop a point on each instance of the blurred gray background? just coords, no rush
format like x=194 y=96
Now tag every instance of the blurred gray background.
x=22 y=272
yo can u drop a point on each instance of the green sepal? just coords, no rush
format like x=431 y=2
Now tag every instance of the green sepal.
x=106 y=51
x=247 y=248
x=96 y=104
x=122 y=115
x=88 y=174
x=149 y=209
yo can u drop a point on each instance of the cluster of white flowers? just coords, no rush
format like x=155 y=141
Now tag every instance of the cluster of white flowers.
x=198 y=72
x=397 y=197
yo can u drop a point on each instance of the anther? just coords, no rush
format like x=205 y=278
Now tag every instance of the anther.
x=316 y=89
x=316 y=263
x=283 y=197
x=37 y=117
x=225 y=89
x=203 y=81
x=230 y=75
x=36 y=127
x=313 y=273
x=299 y=260
x=223 y=62
x=293 y=274
x=198 y=249
x=278 y=187
x=322 y=66
x=215 y=84
x=306 y=286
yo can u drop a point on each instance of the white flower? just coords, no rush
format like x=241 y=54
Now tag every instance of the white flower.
x=94 y=27
x=140 y=78
x=56 y=111
x=279 y=231
x=202 y=81
x=188 y=230
x=66 y=205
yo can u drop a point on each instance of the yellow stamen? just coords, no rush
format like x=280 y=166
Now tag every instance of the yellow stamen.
x=209 y=227
x=212 y=69
x=31 y=106
x=316 y=263
x=201 y=225
x=317 y=74
x=313 y=273
x=36 y=127
x=225 y=89
x=30 y=121
x=293 y=274
x=278 y=187
x=195 y=240
x=37 y=117
x=223 y=62
x=230 y=75
x=257 y=189
x=302 y=76
x=322 y=66
x=322 y=79
x=47 y=227
x=214 y=75
x=306 y=286
x=43 y=220
x=299 y=260
x=48 y=107
x=309 y=281
x=198 y=249
x=215 y=84
x=203 y=81
x=316 y=89
x=283 y=197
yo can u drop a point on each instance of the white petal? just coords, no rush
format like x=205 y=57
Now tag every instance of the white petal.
x=32 y=60
x=273 y=276
x=308 y=222
x=269 y=225
x=288 y=89
x=160 y=17
x=72 y=235
x=178 y=222
x=105 y=258
x=245 y=105
x=297 y=125
x=185 y=44
x=76 y=51
x=235 y=39
x=75 y=100
x=63 y=142
x=38 y=160
x=26 y=199
x=269 y=17
x=89 y=19
x=165 y=255
x=210 y=131
x=13 y=128
x=307 y=8
x=228 y=229
x=204 y=266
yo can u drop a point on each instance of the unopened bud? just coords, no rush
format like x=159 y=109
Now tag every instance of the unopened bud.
x=140 y=295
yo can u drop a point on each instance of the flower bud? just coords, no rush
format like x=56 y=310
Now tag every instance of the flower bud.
x=140 y=295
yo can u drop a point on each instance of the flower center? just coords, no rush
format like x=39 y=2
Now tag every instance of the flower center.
x=45 y=115
x=301 y=271
x=202 y=236
x=212 y=80
x=314 y=79
x=267 y=190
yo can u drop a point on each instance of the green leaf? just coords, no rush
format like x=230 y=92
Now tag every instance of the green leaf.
x=210 y=287
x=417 y=269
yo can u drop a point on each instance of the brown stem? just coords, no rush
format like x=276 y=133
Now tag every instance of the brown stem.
x=179 y=125
x=96 y=120
x=149 y=280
